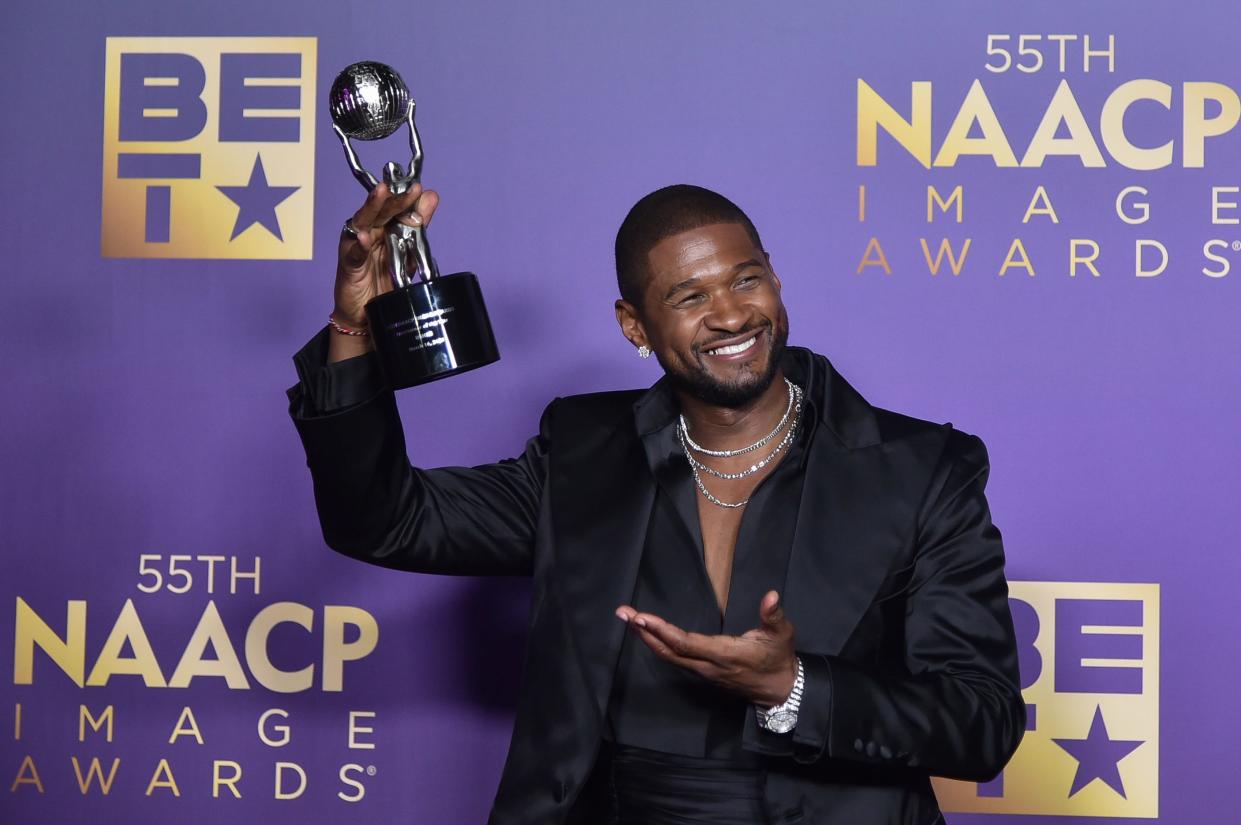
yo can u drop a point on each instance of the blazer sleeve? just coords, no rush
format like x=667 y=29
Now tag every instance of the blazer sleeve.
x=374 y=506
x=955 y=708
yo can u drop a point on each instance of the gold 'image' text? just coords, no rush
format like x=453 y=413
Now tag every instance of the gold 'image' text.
x=290 y=779
x=1132 y=207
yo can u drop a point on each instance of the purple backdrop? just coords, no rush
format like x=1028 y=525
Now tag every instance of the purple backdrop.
x=144 y=411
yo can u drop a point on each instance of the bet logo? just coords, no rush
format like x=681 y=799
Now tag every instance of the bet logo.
x=1089 y=657
x=208 y=147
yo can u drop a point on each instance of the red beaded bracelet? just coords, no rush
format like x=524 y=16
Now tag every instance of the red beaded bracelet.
x=331 y=319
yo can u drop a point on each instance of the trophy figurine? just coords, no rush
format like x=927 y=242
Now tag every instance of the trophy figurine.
x=430 y=325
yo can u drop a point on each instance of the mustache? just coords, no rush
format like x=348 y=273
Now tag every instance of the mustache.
x=713 y=344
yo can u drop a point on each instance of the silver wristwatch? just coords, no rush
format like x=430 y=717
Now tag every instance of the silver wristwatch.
x=783 y=717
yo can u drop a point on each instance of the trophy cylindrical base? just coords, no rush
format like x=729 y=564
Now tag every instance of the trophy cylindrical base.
x=431 y=329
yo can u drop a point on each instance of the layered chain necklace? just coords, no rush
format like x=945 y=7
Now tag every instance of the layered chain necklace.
x=787 y=423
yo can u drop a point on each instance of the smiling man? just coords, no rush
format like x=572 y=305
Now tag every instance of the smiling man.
x=757 y=598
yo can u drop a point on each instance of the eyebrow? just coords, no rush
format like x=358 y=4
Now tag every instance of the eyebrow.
x=690 y=283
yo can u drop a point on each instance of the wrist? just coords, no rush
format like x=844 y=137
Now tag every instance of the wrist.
x=353 y=321
x=782 y=718
x=344 y=347
x=781 y=685
x=346 y=340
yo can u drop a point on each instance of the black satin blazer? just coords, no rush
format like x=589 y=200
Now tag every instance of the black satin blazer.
x=895 y=586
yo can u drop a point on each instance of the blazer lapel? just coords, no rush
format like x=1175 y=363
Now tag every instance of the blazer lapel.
x=850 y=526
x=603 y=493
x=842 y=546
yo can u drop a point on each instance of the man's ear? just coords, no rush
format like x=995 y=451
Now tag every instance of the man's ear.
x=630 y=323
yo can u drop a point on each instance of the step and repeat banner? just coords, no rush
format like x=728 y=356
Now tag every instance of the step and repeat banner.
x=1020 y=218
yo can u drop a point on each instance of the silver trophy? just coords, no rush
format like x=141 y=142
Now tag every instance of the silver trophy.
x=430 y=326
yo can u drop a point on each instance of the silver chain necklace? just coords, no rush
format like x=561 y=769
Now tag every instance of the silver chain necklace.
x=694 y=464
x=756 y=445
x=754 y=468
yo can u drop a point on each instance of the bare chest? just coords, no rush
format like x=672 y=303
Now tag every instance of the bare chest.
x=732 y=478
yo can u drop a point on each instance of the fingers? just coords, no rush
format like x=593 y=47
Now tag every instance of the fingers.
x=382 y=206
x=413 y=208
x=676 y=645
x=663 y=651
x=424 y=208
x=670 y=652
x=365 y=217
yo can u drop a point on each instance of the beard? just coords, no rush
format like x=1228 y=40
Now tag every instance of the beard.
x=694 y=379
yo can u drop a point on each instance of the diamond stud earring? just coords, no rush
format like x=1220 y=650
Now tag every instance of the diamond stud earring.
x=644 y=351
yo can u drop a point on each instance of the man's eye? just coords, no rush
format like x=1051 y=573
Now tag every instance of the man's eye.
x=748 y=280
x=690 y=299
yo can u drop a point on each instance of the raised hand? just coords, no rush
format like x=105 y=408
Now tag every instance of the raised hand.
x=362 y=261
x=760 y=664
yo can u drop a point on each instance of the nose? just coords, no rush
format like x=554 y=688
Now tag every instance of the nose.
x=729 y=313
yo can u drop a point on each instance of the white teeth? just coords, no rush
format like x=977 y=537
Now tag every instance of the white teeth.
x=733 y=349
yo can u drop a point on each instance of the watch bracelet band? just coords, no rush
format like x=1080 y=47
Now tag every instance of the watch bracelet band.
x=793 y=703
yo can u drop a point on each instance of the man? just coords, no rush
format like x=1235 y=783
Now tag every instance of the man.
x=757 y=599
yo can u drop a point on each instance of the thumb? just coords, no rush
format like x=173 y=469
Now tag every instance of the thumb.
x=771 y=611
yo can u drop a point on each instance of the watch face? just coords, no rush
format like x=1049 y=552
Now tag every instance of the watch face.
x=781 y=721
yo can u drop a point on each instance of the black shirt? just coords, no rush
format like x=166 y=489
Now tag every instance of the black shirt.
x=660 y=706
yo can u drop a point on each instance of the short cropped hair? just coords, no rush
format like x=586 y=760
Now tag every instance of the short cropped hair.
x=660 y=215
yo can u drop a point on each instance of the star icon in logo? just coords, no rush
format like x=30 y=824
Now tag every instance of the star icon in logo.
x=1098 y=756
x=257 y=201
